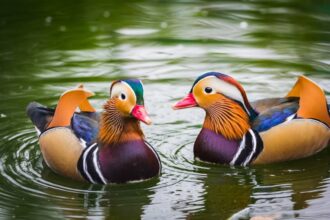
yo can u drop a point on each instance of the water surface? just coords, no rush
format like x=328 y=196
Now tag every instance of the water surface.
x=48 y=47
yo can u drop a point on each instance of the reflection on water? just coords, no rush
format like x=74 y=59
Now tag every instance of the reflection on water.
x=46 y=48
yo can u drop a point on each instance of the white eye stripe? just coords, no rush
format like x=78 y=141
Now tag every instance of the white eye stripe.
x=122 y=88
x=129 y=87
x=116 y=90
x=225 y=88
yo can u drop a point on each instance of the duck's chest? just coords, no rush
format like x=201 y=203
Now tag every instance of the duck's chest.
x=215 y=148
x=212 y=147
x=129 y=161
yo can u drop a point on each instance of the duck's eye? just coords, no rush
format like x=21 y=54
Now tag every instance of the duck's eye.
x=208 y=90
x=122 y=96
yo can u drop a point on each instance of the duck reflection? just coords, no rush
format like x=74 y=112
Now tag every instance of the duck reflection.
x=227 y=190
x=287 y=189
x=266 y=192
x=118 y=201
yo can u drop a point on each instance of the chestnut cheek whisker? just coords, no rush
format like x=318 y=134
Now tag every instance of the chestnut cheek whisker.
x=227 y=118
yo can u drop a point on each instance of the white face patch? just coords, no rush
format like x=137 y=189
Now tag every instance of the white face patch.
x=124 y=92
x=122 y=88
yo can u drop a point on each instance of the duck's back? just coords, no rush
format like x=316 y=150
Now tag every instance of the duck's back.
x=85 y=125
x=62 y=146
x=275 y=115
x=294 y=129
x=295 y=139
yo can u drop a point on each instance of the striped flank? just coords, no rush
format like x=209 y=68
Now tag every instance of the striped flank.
x=250 y=147
x=89 y=167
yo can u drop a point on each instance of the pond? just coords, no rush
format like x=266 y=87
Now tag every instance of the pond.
x=49 y=47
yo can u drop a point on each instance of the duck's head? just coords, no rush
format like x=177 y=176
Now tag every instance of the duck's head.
x=224 y=101
x=127 y=96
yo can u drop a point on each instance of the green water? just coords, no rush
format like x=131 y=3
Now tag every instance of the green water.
x=47 y=47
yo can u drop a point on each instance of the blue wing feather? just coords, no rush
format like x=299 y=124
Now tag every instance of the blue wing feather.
x=86 y=127
x=274 y=116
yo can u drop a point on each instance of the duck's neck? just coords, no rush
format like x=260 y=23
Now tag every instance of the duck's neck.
x=114 y=127
x=228 y=119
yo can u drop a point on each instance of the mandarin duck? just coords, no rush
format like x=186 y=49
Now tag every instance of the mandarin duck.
x=106 y=147
x=238 y=132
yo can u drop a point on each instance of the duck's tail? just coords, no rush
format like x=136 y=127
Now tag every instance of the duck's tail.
x=43 y=117
x=40 y=115
x=67 y=104
x=312 y=100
